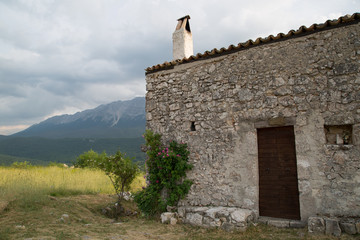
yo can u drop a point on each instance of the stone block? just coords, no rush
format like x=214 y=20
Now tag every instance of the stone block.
x=242 y=215
x=228 y=227
x=207 y=221
x=263 y=220
x=212 y=212
x=215 y=223
x=332 y=227
x=297 y=224
x=210 y=222
x=181 y=212
x=316 y=225
x=357 y=225
x=348 y=228
x=194 y=219
x=166 y=217
x=222 y=213
x=200 y=209
x=279 y=223
x=173 y=221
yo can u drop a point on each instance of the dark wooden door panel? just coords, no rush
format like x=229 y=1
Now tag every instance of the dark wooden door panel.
x=278 y=183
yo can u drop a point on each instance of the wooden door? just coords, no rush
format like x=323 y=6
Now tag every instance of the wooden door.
x=278 y=182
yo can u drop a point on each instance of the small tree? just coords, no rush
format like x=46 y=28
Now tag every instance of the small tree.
x=119 y=168
x=121 y=171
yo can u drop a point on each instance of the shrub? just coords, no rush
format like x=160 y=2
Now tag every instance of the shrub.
x=119 y=168
x=121 y=171
x=166 y=171
x=89 y=159
x=22 y=165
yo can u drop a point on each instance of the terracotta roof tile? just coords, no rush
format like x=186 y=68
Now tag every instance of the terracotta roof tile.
x=303 y=30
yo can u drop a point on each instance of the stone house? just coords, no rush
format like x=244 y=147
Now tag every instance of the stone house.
x=273 y=125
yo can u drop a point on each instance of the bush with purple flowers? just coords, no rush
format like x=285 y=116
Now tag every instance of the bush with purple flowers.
x=166 y=168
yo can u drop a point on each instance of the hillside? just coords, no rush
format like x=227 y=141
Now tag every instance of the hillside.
x=6 y=160
x=121 y=119
x=41 y=150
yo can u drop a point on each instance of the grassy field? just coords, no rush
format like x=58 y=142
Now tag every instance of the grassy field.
x=63 y=203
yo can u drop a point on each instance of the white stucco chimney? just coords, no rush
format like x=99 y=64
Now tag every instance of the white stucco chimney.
x=182 y=39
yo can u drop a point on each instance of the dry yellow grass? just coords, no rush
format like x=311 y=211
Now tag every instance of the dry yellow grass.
x=55 y=181
x=17 y=182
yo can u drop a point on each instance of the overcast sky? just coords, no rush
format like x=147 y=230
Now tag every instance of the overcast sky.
x=64 y=56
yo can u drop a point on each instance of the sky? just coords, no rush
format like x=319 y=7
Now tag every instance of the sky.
x=64 y=56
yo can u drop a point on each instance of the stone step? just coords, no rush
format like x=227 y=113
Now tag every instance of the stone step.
x=281 y=223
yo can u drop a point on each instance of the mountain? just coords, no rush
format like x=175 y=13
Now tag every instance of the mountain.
x=120 y=119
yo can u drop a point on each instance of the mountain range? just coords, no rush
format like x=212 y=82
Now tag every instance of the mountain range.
x=120 y=119
x=109 y=127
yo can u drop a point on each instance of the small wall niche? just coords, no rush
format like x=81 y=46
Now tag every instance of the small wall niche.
x=192 y=127
x=338 y=134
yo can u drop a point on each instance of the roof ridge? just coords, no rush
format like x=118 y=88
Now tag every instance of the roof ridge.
x=303 y=30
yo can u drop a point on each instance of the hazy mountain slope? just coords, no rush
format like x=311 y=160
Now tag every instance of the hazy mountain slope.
x=66 y=150
x=6 y=160
x=121 y=119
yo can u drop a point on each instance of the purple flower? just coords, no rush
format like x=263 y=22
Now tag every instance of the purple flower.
x=178 y=155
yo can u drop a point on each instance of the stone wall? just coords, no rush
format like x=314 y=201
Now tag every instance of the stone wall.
x=311 y=82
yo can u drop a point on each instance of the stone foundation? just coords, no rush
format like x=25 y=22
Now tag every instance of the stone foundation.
x=226 y=218
x=230 y=219
x=333 y=226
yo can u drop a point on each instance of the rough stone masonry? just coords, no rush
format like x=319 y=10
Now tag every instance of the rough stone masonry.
x=216 y=104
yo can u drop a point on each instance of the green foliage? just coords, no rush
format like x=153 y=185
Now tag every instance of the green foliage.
x=22 y=165
x=90 y=159
x=120 y=169
x=166 y=171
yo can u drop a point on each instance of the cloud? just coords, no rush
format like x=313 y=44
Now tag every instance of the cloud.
x=61 y=56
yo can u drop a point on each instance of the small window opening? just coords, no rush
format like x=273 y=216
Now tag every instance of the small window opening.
x=338 y=134
x=192 y=127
